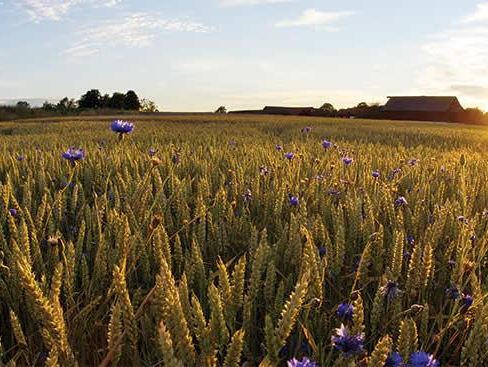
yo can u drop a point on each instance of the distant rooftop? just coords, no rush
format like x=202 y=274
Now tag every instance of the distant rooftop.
x=423 y=104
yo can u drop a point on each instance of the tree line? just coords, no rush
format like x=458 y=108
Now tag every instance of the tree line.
x=92 y=100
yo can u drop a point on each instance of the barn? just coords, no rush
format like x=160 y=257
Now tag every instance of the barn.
x=423 y=108
x=292 y=111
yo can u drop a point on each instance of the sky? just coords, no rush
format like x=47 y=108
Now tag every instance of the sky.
x=195 y=55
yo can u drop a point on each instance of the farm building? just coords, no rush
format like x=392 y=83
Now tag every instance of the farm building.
x=423 y=108
x=292 y=111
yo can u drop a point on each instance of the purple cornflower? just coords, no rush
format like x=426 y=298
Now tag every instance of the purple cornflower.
x=393 y=173
x=293 y=200
x=289 y=156
x=422 y=359
x=322 y=251
x=306 y=129
x=305 y=362
x=376 y=174
x=348 y=344
x=453 y=292
x=466 y=301
x=412 y=162
x=13 y=212
x=345 y=311
x=122 y=127
x=326 y=144
x=401 y=201
x=247 y=195
x=278 y=148
x=406 y=254
x=20 y=158
x=390 y=290
x=347 y=160
x=73 y=155
x=333 y=192
x=410 y=240
x=152 y=152
x=394 y=360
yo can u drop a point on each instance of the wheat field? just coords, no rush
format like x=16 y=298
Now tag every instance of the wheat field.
x=243 y=241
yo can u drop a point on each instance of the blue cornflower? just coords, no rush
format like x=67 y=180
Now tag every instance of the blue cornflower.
x=394 y=360
x=122 y=127
x=406 y=255
x=306 y=129
x=326 y=144
x=376 y=174
x=152 y=152
x=410 y=240
x=422 y=359
x=401 y=201
x=13 y=212
x=305 y=362
x=333 y=192
x=322 y=251
x=345 y=311
x=293 y=200
x=289 y=156
x=453 y=292
x=20 y=158
x=466 y=301
x=278 y=148
x=348 y=344
x=390 y=290
x=347 y=160
x=74 y=154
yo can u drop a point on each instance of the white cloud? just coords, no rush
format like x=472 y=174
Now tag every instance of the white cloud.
x=457 y=61
x=134 y=31
x=250 y=2
x=40 y=10
x=480 y=15
x=314 y=17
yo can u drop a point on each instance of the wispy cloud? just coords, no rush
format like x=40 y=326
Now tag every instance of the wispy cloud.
x=480 y=15
x=40 y=10
x=138 y=30
x=250 y=2
x=315 y=18
x=457 y=60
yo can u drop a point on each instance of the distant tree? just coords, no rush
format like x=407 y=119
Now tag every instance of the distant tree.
x=48 y=106
x=91 y=99
x=362 y=105
x=148 y=106
x=23 y=105
x=221 y=109
x=105 y=101
x=117 y=101
x=474 y=115
x=131 y=101
x=328 y=107
x=66 y=105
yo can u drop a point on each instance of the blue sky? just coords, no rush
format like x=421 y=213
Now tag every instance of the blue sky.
x=195 y=55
